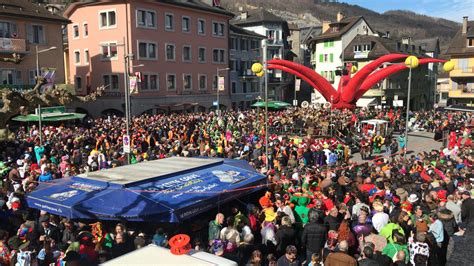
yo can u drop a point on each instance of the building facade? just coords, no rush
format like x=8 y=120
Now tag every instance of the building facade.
x=244 y=50
x=24 y=29
x=280 y=85
x=461 y=52
x=327 y=48
x=174 y=48
x=363 y=49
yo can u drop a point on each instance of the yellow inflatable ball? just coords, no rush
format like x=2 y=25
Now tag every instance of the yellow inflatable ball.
x=353 y=69
x=412 y=62
x=448 y=66
x=260 y=74
x=257 y=68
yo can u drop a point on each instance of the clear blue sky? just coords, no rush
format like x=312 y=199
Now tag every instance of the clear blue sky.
x=448 y=9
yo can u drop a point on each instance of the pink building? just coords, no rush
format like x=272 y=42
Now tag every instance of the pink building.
x=177 y=47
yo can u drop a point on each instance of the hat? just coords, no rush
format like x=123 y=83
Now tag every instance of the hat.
x=270 y=215
x=466 y=192
x=413 y=198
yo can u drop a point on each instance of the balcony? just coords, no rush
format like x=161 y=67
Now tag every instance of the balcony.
x=461 y=92
x=462 y=72
x=9 y=45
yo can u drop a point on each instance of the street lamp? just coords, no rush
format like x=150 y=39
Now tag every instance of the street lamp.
x=38 y=76
x=410 y=62
x=261 y=71
x=217 y=85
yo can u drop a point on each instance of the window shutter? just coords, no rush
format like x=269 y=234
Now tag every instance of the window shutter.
x=331 y=57
x=321 y=58
x=29 y=33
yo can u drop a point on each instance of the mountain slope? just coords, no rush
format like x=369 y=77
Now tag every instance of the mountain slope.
x=312 y=12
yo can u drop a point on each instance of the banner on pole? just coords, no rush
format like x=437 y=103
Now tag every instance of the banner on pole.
x=221 y=84
x=297 y=84
x=126 y=143
x=133 y=84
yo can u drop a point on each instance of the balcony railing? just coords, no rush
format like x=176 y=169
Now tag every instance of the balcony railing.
x=9 y=45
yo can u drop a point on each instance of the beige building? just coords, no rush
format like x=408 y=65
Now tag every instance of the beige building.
x=25 y=27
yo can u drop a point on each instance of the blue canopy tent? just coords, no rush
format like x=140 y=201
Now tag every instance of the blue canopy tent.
x=168 y=190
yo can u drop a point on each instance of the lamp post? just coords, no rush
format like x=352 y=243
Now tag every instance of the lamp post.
x=410 y=62
x=217 y=87
x=330 y=116
x=38 y=76
x=261 y=71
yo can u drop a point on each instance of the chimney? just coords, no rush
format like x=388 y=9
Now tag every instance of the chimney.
x=339 y=16
x=243 y=15
x=464 y=25
x=325 y=26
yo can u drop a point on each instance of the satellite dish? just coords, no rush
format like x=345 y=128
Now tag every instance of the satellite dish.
x=305 y=104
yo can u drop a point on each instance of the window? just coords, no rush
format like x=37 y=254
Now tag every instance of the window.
x=146 y=19
x=10 y=77
x=86 y=56
x=470 y=42
x=147 y=50
x=107 y=19
x=202 y=55
x=169 y=22
x=149 y=82
x=170 y=52
x=201 y=26
x=32 y=76
x=8 y=30
x=357 y=48
x=328 y=44
x=85 y=27
x=78 y=83
x=187 y=53
x=187 y=82
x=185 y=24
x=244 y=44
x=109 y=51
x=202 y=82
x=111 y=82
x=75 y=31
x=244 y=87
x=218 y=29
x=214 y=82
x=218 y=55
x=366 y=47
x=234 y=86
x=233 y=43
x=77 y=57
x=171 y=82
x=463 y=64
x=35 y=34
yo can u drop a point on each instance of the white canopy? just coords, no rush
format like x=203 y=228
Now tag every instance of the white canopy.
x=155 y=255
x=366 y=102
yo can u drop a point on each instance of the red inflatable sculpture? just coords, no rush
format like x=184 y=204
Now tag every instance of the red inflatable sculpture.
x=350 y=89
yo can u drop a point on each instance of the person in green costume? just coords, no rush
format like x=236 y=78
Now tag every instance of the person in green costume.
x=300 y=208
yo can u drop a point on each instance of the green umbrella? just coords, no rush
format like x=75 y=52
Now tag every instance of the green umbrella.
x=49 y=118
x=272 y=104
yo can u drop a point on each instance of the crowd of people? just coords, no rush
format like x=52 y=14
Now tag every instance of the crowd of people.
x=320 y=206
